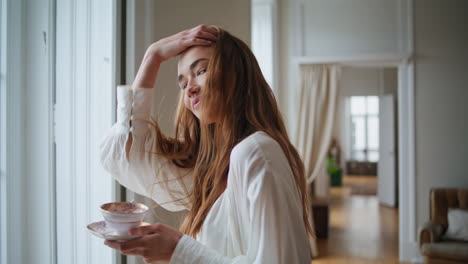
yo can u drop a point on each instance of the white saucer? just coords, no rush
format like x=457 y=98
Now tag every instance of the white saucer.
x=100 y=229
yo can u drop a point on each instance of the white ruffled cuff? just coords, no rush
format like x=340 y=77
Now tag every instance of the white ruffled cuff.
x=134 y=104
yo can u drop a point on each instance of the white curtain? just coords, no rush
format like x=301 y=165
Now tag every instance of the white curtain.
x=317 y=106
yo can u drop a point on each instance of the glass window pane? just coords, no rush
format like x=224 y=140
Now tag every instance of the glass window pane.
x=372 y=105
x=373 y=156
x=358 y=105
x=358 y=156
x=358 y=133
x=373 y=132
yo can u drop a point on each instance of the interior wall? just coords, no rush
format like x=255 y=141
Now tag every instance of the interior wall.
x=390 y=79
x=323 y=28
x=340 y=27
x=358 y=81
x=441 y=41
x=174 y=16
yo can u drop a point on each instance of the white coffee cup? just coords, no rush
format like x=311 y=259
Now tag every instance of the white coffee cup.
x=123 y=216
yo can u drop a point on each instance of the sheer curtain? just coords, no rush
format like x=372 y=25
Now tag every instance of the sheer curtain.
x=318 y=94
x=317 y=106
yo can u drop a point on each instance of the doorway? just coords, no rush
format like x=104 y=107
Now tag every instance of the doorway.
x=363 y=213
x=407 y=245
x=367 y=126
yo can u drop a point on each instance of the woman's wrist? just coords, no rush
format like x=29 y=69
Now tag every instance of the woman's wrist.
x=146 y=76
x=153 y=54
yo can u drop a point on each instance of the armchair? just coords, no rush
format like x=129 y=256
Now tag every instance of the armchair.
x=435 y=248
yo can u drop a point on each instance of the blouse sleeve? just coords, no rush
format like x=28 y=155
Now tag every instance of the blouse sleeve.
x=276 y=232
x=142 y=170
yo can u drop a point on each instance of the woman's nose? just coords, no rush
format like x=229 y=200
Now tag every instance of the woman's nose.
x=192 y=89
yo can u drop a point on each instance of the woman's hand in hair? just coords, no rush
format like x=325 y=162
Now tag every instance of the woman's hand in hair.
x=157 y=243
x=169 y=47
x=172 y=46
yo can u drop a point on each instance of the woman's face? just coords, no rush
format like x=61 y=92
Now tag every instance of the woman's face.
x=192 y=68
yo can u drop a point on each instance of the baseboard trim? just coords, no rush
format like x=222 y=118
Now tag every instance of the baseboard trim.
x=409 y=252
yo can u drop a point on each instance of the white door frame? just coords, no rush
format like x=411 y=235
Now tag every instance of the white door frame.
x=386 y=180
x=408 y=248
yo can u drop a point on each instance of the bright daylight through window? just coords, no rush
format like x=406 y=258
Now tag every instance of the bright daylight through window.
x=364 y=128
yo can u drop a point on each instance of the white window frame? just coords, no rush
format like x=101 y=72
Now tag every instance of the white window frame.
x=86 y=80
x=366 y=123
x=38 y=223
x=11 y=128
x=264 y=26
x=27 y=187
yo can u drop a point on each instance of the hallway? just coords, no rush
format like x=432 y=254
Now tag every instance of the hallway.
x=361 y=231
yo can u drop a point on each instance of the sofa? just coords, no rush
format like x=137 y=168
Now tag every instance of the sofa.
x=433 y=242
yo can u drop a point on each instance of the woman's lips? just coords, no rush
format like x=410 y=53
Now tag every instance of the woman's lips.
x=196 y=103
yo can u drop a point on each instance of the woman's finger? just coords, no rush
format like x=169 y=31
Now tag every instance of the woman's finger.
x=204 y=31
x=134 y=247
x=212 y=29
x=133 y=252
x=144 y=230
x=112 y=244
x=200 y=41
x=125 y=245
x=149 y=260
x=206 y=35
x=189 y=42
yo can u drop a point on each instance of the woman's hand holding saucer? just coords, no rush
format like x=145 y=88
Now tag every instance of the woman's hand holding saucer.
x=157 y=243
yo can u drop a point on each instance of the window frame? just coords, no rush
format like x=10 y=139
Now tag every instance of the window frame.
x=366 y=115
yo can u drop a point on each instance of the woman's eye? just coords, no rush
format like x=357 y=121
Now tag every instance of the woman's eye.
x=201 y=71
x=184 y=85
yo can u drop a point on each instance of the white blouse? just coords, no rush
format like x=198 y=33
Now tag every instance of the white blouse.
x=258 y=218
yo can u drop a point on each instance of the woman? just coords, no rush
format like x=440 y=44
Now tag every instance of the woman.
x=230 y=164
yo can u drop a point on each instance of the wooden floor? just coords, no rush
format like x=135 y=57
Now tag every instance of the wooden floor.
x=361 y=230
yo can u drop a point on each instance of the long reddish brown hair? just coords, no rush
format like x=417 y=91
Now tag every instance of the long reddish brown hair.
x=240 y=100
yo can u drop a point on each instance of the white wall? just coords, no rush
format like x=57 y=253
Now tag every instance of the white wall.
x=441 y=79
x=324 y=28
x=360 y=81
x=174 y=16
x=339 y=27
x=335 y=28
x=390 y=80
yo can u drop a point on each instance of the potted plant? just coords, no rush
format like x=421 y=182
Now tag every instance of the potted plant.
x=334 y=171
